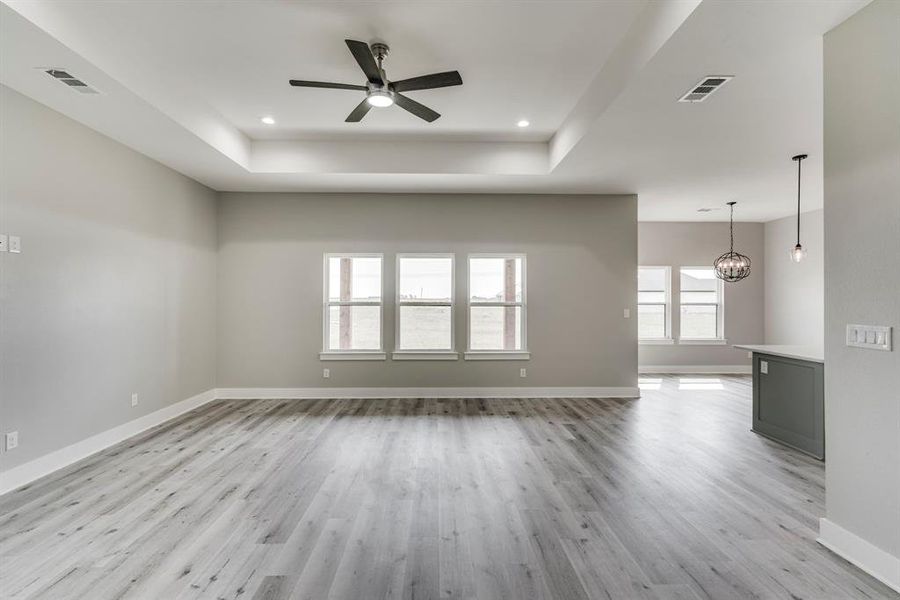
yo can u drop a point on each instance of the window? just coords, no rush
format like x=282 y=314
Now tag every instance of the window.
x=654 y=303
x=496 y=306
x=701 y=304
x=425 y=306
x=352 y=306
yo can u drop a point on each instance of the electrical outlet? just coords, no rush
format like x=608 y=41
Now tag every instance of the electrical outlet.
x=15 y=243
x=12 y=440
x=523 y=372
x=326 y=373
x=4 y=242
x=134 y=399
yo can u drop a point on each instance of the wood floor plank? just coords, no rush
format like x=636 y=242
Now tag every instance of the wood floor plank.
x=669 y=497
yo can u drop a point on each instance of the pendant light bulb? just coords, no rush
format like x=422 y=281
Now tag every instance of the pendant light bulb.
x=798 y=253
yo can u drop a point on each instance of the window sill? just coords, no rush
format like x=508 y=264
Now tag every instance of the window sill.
x=373 y=355
x=703 y=342
x=656 y=342
x=500 y=355
x=425 y=355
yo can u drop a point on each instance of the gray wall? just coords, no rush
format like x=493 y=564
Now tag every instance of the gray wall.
x=695 y=244
x=114 y=291
x=795 y=292
x=862 y=272
x=582 y=260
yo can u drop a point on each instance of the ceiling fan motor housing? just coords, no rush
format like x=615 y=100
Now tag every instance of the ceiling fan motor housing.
x=380 y=50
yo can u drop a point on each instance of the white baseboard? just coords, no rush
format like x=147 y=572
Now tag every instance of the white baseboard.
x=428 y=392
x=698 y=369
x=59 y=459
x=870 y=558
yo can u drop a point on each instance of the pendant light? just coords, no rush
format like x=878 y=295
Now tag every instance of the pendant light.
x=798 y=253
x=732 y=266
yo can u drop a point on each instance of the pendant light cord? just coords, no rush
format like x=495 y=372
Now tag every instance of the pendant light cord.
x=799 y=164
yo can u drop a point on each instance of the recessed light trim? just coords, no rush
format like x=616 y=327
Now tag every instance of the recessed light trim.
x=267 y=120
x=523 y=123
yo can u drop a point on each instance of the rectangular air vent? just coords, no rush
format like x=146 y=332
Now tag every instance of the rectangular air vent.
x=71 y=81
x=705 y=88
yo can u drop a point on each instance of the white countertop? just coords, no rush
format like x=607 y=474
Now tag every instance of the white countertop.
x=810 y=353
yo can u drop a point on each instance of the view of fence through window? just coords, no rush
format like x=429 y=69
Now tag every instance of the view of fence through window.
x=700 y=303
x=653 y=295
x=425 y=301
x=354 y=303
x=496 y=303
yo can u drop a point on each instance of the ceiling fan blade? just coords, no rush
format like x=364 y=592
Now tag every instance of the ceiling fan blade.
x=428 y=82
x=325 y=84
x=359 y=112
x=363 y=56
x=420 y=110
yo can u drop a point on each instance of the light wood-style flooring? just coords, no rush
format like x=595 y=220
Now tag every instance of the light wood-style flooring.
x=667 y=497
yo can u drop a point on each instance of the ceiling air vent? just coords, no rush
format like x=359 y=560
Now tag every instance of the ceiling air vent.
x=705 y=88
x=71 y=81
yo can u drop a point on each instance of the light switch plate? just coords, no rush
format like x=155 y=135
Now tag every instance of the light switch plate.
x=4 y=242
x=764 y=367
x=871 y=337
x=627 y=313
x=12 y=440
x=15 y=243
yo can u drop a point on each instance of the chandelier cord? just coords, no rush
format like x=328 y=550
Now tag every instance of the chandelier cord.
x=731 y=227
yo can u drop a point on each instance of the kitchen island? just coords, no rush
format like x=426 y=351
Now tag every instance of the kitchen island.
x=789 y=395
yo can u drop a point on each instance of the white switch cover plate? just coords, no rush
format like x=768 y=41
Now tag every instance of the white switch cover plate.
x=764 y=367
x=4 y=242
x=871 y=337
x=12 y=440
x=15 y=243
x=134 y=399
x=627 y=313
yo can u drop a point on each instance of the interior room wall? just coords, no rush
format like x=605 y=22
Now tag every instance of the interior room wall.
x=862 y=286
x=691 y=244
x=113 y=292
x=581 y=275
x=795 y=292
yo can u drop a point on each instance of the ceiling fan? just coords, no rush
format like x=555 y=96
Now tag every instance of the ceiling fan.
x=380 y=92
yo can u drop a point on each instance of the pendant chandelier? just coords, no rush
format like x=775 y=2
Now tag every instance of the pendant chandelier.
x=798 y=253
x=732 y=266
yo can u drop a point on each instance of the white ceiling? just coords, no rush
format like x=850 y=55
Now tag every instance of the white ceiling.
x=186 y=83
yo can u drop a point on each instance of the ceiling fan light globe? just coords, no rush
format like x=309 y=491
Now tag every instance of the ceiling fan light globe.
x=380 y=99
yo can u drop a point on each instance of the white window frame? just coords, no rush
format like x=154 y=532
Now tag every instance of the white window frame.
x=719 y=340
x=667 y=339
x=326 y=353
x=522 y=354
x=442 y=354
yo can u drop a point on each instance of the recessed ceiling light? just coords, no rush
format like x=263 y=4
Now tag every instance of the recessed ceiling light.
x=268 y=120
x=523 y=123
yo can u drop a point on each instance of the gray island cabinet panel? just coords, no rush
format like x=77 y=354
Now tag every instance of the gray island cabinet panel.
x=788 y=402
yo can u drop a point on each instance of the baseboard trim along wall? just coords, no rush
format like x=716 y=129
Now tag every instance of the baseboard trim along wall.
x=698 y=369
x=428 y=392
x=59 y=459
x=870 y=558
